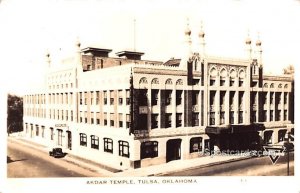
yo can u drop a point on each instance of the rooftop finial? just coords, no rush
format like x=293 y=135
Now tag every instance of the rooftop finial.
x=201 y=33
x=248 y=39
x=187 y=30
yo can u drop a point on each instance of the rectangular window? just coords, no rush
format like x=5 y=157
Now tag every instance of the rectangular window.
x=212 y=82
x=154 y=121
x=143 y=100
x=149 y=149
x=85 y=98
x=98 y=118
x=120 y=118
x=120 y=96
x=127 y=97
x=105 y=119
x=195 y=121
x=108 y=145
x=112 y=96
x=97 y=97
x=178 y=119
x=94 y=142
x=123 y=148
x=168 y=97
x=105 y=97
x=240 y=116
x=128 y=121
x=168 y=120
x=154 y=97
x=222 y=82
x=37 y=130
x=241 y=83
x=212 y=118
x=80 y=98
x=265 y=115
x=51 y=133
x=196 y=144
x=231 y=117
x=83 y=141
x=71 y=115
x=281 y=135
x=178 y=97
x=92 y=98
x=112 y=120
x=271 y=115
x=92 y=117
x=222 y=118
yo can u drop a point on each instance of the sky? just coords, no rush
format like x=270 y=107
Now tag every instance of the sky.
x=31 y=28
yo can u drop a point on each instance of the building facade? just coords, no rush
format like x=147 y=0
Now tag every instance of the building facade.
x=125 y=112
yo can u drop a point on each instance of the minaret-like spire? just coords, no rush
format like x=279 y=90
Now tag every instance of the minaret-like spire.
x=201 y=36
x=78 y=55
x=188 y=39
x=258 y=50
x=48 y=60
x=187 y=46
x=248 y=47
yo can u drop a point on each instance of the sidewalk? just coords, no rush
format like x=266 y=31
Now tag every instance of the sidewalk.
x=179 y=165
x=155 y=170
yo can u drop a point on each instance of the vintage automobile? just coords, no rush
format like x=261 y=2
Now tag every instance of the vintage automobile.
x=57 y=152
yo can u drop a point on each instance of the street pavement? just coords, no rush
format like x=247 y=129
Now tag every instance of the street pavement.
x=260 y=166
x=76 y=167
x=24 y=161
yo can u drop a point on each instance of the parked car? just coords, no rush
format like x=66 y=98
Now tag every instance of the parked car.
x=56 y=152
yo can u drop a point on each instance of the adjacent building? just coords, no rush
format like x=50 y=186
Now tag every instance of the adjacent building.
x=125 y=112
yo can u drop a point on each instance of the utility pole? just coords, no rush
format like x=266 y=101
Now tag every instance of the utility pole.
x=288 y=154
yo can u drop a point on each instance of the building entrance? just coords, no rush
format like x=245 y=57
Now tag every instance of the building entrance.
x=173 y=149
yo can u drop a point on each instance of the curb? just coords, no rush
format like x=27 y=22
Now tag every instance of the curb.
x=203 y=166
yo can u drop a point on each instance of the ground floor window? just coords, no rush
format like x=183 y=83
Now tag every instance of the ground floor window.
x=43 y=131
x=206 y=144
x=94 y=142
x=83 y=141
x=36 y=130
x=281 y=135
x=268 y=137
x=51 y=133
x=108 y=145
x=123 y=148
x=195 y=144
x=149 y=149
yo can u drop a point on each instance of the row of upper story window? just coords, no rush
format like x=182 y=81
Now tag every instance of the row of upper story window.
x=105 y=97
x=240 y=100
x=35 y=112
x=156 y=119
x=61 y=86
x=114 y=120
x=277 y=116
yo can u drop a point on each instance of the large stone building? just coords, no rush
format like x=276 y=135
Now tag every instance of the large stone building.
x=125 y=112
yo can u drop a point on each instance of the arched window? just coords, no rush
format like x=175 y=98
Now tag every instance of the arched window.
x=143 y=81
x=155 y=81
x=179 y=82
x=169 y=81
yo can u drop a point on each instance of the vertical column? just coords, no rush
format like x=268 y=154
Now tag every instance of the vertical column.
x=217 y=108
x=282 y=106
x=149 y=110
x=200 y=107
x=162 y=108
x=173 y=105
x=236 y=107
x=207 y=108
x=159 y=108
x=268 y=107
x=88 y=107
x=288 y=105
x=227 y=107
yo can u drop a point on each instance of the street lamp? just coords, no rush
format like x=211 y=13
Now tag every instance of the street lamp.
x=287 y=146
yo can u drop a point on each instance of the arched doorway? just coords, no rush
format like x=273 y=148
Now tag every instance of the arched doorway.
x=173 y=149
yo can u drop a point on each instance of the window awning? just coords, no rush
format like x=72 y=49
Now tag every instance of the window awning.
x=230 y=129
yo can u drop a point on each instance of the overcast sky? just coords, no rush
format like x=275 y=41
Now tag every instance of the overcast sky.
x=29 y=28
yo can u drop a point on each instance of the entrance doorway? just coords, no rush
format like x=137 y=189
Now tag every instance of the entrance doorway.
x=69 y=145
x=173 y=149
